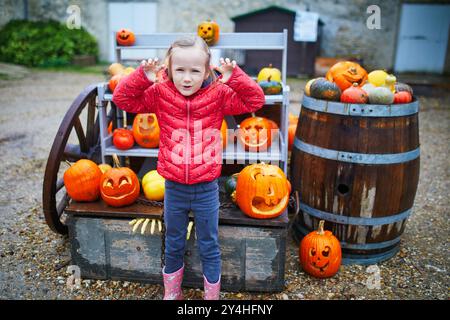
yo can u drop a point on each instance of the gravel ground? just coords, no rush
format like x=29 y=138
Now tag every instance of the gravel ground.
x=33 y=260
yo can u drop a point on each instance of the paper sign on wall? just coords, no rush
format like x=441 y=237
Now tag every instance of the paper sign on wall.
x=305 y=26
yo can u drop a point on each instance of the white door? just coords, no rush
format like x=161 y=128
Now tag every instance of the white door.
x=423 y=36
x=140 y=17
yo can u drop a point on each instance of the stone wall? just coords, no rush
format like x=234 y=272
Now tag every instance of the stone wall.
x=344 y=33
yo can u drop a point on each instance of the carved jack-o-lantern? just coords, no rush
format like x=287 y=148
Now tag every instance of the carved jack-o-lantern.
x=346 y=73
x=209 y=31
x=320 y=253
x=146 y=130
x=262 y=191
x=119 y=186
x=125 y=37
x=255 y=134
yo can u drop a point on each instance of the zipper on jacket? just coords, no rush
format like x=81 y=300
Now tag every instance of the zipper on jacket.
x=188 y=145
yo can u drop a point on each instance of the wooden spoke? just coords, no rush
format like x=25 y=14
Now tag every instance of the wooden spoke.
x=80 y=134
x=62 y=204
x=59 y=184
x=90 y=126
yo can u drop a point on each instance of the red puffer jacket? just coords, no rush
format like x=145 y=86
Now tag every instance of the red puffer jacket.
x=189 y=118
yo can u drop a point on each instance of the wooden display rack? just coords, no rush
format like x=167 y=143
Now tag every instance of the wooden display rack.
x=102 y=244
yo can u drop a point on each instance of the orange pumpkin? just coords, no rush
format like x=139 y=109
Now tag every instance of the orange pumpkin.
x=345 y=73
x=114 y=81
x=223 y=134
x=125 y=37
x=320 y=253
x=119 y=186
x=255 y=134
x=262 y=191
x=82 y=180
x=209 y=31
x=146 y=130
x=292 y=127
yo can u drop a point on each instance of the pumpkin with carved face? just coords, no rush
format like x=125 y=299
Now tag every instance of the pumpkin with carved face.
x=119 y=186
x=209 y=31
x=125 y=37
x=320 y=253
x=262 y=191
x=146 y=130
x=346 y=73
x=255 y=134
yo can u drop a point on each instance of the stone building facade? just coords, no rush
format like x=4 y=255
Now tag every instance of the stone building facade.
x=345 y=32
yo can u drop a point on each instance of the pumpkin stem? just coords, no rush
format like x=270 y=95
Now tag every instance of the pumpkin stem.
x=321 y=225
x=270 y=65
x=352 y=70
x=116 y=160
x=268 y=79
x=355 y=84
x=253 y=115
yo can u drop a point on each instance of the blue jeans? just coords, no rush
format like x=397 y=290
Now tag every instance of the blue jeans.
x=203 y=199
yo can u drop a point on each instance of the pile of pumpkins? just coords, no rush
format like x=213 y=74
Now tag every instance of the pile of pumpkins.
x=262 y=191
x=348 y=82
x=85 y=181
x=145 y=132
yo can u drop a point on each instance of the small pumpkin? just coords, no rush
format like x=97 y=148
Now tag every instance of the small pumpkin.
x=146 y=130
x=230 y=183
x=400 y=86
x=209 y=30
x=104 y=167
x=354 y=94
x=255 y=134
x=123 y=138
x=115 y=68
x=381 y=95
x=320 y=253
x=368 y=87
x=325 y=90
x=114 y=81
x=308 y=85
x=346 y=73
x=82 y=180
x=128 y=70
x=292 y=128
x=224 y=134
x=269 y=74
x=262 y=191
x=125 y=37
x=119 y=186
x=270 y=87
x=402 y=97
x=153 y=185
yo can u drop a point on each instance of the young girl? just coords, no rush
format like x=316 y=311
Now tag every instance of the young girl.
x=190 y=104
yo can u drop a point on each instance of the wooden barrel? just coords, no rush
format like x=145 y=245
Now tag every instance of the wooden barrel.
x=357 y=168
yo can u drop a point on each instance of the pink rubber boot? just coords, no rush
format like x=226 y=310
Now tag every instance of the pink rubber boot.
x=172 y=285
x=212 y=290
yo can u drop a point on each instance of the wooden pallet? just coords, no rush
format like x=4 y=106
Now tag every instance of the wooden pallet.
x=103 y=246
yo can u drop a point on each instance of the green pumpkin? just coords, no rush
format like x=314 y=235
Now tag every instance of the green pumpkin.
x=230 y=183
x=270 y=87
x=325 y=90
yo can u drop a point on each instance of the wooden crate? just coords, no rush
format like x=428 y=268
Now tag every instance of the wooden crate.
x=103 y=246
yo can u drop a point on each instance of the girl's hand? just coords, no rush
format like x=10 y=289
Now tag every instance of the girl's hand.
x=226 y=69
x=151 y=68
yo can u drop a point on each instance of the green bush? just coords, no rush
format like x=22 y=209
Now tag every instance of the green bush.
x=43 y=43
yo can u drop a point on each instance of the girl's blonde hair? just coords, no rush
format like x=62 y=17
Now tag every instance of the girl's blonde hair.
x=187 y=42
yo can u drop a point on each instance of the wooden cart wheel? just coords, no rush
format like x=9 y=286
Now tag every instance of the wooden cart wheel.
x=54 y=197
